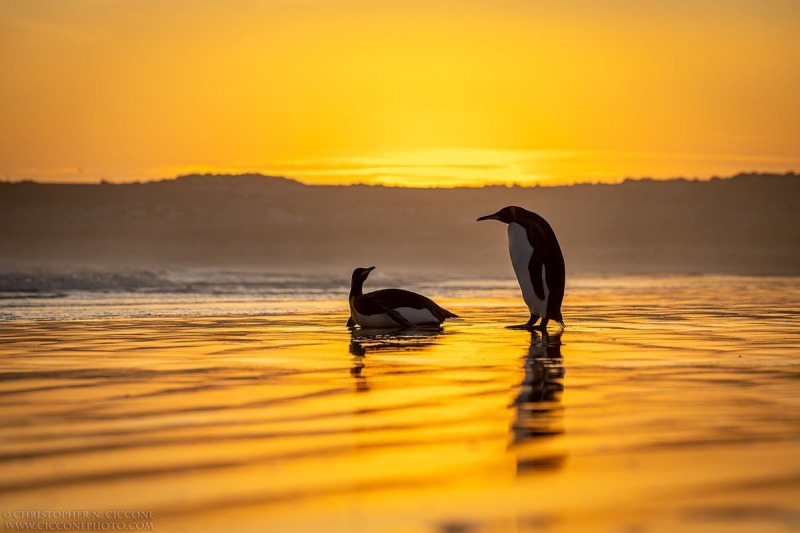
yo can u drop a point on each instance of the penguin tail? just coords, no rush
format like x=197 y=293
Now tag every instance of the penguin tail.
x=560 y=319
x=443 y=314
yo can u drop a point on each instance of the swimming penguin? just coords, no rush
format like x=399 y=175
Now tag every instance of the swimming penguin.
x=391 y=308
x=538 y=263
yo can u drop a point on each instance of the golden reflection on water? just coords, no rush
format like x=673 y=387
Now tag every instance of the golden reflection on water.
x=672 y=409
x=539 y=413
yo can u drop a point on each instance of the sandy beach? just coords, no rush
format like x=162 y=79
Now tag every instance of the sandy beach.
x=667 y=404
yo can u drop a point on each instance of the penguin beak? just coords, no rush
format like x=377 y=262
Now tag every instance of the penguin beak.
x=370 y=269
x=493 y=216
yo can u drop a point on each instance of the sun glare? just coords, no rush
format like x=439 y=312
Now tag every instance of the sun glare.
x=476 y=168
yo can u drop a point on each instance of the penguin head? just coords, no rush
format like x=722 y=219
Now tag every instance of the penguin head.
x=507 y=215
x=360 y=275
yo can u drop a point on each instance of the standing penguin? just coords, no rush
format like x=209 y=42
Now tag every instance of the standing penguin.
x=538 y=263
x=391 y=308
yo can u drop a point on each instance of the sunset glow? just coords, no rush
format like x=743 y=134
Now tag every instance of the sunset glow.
x=399 y=93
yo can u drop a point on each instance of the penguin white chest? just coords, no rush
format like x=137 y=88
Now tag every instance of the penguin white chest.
x=521 y=252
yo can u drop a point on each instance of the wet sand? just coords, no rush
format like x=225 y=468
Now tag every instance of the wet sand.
x=667 y=407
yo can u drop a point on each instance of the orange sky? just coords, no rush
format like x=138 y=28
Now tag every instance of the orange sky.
x=405 y=92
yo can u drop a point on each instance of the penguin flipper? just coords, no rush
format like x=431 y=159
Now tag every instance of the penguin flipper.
x=351 y=323
x=397 y=317
x=537 y=275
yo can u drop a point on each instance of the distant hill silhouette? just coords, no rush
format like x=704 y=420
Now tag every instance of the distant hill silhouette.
x=747 y=224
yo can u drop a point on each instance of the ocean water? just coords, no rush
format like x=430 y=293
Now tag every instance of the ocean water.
x=90 y=294
x=243 y=403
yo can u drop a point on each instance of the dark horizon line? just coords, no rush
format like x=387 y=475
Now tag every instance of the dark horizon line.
x=258 y=175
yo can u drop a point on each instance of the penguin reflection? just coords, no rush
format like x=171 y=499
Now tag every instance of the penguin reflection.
x=355 y=371
x=539 y=413
x=376 y=340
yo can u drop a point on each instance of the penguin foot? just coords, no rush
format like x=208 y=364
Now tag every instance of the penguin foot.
x=533 y=320
x=528 y=325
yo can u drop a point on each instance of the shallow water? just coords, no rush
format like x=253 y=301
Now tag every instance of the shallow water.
x=666 y=405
